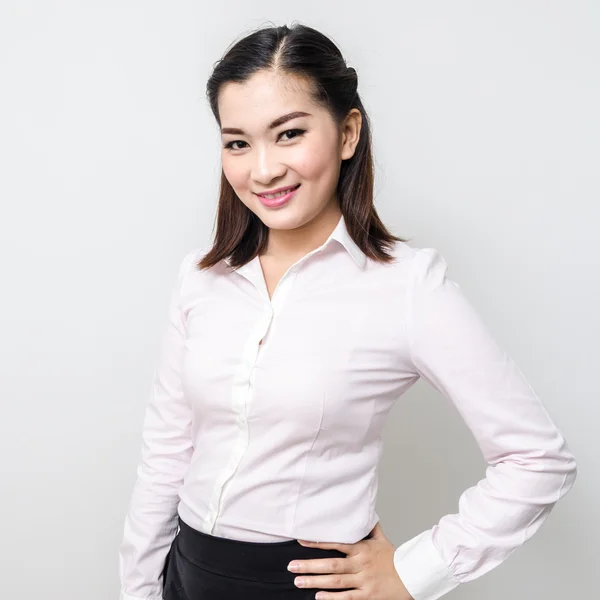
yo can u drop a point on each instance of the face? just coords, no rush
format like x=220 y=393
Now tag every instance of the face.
x=268 y=151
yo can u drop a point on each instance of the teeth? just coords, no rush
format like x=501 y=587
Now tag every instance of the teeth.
x=277 y=195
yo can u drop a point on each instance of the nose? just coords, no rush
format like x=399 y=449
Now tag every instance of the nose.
x=266 y=167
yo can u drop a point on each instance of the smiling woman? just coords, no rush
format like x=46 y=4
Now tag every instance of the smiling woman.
x=290 y=116
x=286 y=142
x=288 y=342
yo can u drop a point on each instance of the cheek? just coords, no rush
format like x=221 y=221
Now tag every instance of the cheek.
x=315 y=164
x=234 y=173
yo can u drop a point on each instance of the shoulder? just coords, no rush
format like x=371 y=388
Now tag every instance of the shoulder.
x=421 y=265
x=189 y=262
x=193 y=257
x=418 y=258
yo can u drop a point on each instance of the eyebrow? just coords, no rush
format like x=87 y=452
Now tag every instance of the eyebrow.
x=276 y=123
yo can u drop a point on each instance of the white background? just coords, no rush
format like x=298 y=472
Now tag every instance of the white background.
x=486 y=130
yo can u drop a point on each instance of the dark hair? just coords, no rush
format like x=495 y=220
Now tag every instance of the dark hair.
x=306 y=53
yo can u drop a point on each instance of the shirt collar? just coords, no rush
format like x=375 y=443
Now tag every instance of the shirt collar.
x=342 y=235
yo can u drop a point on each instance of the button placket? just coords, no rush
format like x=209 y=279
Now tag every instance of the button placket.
x=241 y=396
x=242 y=391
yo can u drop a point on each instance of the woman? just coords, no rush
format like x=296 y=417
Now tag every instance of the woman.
x=288 y=342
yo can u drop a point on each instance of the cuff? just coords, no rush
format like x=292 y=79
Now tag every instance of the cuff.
x=421 y=569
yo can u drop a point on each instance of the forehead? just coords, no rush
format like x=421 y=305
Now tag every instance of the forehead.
x=263 y=97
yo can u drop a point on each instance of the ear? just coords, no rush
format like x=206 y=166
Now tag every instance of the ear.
x=350 y=133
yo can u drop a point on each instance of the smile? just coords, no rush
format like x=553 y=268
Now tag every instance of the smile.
x=278 y=199
x=279 y=194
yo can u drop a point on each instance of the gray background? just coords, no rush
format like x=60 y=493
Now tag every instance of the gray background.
x=485 y=124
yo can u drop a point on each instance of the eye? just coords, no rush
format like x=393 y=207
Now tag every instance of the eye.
x=297 y=132
x=229 y=146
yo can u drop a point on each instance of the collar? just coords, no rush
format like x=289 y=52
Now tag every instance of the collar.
x=341 y=235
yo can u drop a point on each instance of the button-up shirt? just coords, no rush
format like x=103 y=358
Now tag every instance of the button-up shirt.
x=265 y=417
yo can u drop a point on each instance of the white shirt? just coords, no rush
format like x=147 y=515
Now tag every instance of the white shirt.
x=281 y=440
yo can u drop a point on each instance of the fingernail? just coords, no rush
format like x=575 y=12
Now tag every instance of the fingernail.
x=293 y=566
x=299 y=581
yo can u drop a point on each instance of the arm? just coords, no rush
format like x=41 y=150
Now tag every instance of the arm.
x=529 y=464
x=151 y=522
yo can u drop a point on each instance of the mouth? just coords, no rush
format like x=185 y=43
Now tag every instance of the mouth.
x=278 y=200
x=280 y=193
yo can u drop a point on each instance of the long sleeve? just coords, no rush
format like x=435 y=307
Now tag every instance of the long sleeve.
x=529 y=464
x=151 y=522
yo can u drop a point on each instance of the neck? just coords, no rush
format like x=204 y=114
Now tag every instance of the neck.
x=285 y=245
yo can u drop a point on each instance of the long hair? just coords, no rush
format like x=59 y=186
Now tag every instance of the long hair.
x=304 y=52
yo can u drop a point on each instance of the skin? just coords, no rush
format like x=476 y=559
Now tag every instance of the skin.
x=261 y=159
x=368 y=568
x=265 y=159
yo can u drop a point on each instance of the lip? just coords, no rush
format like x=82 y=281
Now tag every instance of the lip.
x=277 y=190
x=279 y=201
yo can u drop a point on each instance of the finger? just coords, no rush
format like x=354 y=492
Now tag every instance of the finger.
x=345 y=548
x=324 y=565
x=333 y=581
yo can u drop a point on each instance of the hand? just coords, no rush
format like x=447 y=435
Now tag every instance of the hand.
x=368 y=569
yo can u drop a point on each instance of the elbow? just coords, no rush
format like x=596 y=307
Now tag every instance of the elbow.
x=564 y=465
x=570 y=468
x=561 y=463
x=571 y=472
x=546 y=475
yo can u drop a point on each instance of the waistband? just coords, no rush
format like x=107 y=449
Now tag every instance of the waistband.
x=254 y=561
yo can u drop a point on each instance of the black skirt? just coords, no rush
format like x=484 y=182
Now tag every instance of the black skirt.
x=200 y=566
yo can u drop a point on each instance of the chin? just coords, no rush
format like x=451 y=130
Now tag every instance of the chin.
x=285 y=218
x=280 y=222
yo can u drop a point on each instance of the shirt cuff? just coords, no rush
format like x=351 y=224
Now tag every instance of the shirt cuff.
x=421 y=569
